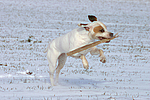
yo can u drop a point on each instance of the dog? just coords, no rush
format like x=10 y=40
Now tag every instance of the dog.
x=85 y=34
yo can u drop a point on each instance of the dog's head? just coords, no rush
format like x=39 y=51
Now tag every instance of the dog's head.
x=97 y=30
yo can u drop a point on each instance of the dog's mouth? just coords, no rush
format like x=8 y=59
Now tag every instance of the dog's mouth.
x=101 y=38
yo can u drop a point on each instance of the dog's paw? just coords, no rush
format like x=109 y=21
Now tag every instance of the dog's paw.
x=86 y=67
x=103 y=59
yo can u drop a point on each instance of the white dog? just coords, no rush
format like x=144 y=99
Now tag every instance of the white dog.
x=78 y=37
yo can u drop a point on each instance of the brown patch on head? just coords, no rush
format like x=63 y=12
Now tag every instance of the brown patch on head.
x=97 y=29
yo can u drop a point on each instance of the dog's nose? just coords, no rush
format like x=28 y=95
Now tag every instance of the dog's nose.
x=111 y=34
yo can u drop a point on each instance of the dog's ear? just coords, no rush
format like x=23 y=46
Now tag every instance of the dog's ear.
x=92 y=18
x=87 y=28
x=81 y=24
x=84 y=26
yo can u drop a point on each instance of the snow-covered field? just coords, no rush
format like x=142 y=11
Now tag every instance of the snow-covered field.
x=27 y=26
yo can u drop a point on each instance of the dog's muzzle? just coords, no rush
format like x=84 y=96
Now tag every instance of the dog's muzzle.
x=111 y=34
x=101 y=38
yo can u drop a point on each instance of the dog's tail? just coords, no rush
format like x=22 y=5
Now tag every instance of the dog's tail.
x=45 y=50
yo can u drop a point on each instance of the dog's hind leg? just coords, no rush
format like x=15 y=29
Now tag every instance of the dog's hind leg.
x=52 y=59
x=61 y=62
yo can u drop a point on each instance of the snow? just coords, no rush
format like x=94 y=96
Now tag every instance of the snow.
x=24 y=66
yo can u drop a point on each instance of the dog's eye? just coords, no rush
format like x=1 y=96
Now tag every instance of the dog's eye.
x=102 y=30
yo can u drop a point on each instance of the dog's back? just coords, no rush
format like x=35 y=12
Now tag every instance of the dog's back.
x=71 y=40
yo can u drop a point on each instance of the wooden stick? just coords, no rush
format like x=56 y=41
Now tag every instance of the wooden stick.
x=90 y=45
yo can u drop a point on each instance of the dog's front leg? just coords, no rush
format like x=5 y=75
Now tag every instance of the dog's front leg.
x=95 y=51
x=84 y=61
